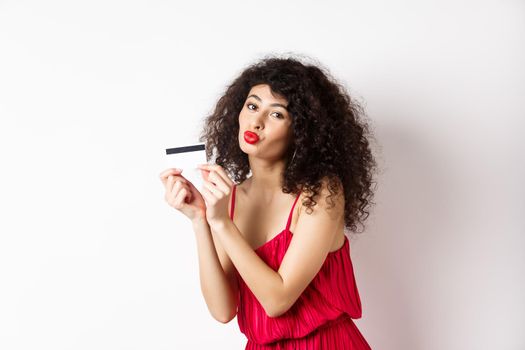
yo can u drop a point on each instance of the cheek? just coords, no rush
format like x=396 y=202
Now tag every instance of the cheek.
x=241 y=118
x=284 y=131
x=277 y=135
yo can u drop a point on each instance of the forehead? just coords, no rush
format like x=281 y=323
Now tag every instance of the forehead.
x=265 y=93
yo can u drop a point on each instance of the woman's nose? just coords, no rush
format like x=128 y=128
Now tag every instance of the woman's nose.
x=257 y=121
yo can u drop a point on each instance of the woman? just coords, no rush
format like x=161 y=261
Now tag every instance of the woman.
x=283 y=269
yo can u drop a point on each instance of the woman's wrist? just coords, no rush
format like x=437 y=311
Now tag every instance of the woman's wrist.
x=199 y=220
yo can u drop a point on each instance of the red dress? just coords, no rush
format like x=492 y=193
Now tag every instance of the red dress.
x=321 y=318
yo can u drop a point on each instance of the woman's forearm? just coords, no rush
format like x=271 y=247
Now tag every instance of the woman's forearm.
x=215 y=286
x=264 y=282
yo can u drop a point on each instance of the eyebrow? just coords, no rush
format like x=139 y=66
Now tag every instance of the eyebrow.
x=273 y=104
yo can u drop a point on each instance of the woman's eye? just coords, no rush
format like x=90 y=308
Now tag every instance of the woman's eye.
x=248 y=105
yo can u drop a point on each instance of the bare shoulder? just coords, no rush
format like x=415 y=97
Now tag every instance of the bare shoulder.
x=328 y=205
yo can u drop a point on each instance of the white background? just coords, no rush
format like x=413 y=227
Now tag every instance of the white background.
x=92 y=92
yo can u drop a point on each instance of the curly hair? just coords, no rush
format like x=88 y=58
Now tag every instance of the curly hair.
x=330 y=136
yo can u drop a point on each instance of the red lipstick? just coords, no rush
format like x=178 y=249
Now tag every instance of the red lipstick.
x=250 y=137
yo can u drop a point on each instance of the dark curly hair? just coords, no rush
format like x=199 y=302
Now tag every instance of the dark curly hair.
x=331 y=138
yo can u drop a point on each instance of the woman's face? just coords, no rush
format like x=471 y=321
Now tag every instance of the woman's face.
x=265 y=115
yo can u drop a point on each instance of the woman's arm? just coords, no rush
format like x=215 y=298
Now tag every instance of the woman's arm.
x=313 y=236
x=217 y=276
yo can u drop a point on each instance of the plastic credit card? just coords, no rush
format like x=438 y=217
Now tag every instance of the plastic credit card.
x=187 y=158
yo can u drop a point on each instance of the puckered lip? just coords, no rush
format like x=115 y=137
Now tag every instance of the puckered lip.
x=251 y=132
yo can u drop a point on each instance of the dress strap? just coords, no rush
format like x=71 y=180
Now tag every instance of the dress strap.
x=232 y=206
x=291 y=212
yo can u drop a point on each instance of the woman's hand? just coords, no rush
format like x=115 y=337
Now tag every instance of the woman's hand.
x=182 y=195
x=216 y=190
